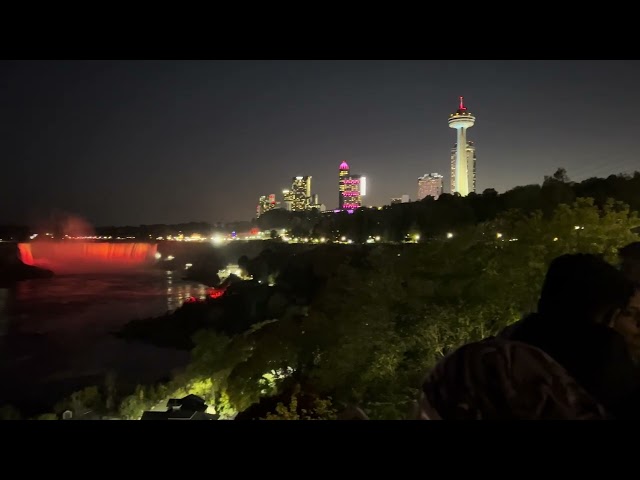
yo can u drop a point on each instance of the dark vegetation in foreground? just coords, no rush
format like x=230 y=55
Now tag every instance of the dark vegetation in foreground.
x=362 y=324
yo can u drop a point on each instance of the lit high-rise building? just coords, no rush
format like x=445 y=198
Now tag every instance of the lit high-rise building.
x=316 y=205
x=343 y=173
x=288 y=196
x=471 y=166
x=462 y=172
x=266 y=203
x=351 y=196
x=351 y=188
x=430 y=185
x=300 y=194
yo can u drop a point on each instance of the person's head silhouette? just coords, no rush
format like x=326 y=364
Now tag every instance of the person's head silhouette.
x=583 y=288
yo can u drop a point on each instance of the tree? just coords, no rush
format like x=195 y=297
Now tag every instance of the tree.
x=9 y=412
x=110 y=390
x=560 y=175
x=47 y=416
x=243 y=262
x=88 y=398
x=320 y=409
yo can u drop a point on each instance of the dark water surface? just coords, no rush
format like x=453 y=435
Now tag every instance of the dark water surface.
x=55 y=333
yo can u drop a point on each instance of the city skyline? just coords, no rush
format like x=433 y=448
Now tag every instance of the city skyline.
x=137 y=142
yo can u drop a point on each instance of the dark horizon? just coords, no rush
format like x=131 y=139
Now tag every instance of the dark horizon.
x=167 y=142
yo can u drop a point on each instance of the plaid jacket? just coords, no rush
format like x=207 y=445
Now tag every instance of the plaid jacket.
x=500 y=379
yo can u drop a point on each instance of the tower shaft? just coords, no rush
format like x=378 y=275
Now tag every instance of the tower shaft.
x=462 y=177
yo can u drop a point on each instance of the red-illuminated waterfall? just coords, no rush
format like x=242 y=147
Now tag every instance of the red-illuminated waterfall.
x=72 y=257
x=25 y=253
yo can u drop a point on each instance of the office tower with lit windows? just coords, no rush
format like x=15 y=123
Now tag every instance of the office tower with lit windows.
x=343 y=173
x=300 y=194
x=287 y=196
x=463 y=171
x=430 y=185
x=352 y=196
x=351 y=188
x=266 y=203
x=316 y=205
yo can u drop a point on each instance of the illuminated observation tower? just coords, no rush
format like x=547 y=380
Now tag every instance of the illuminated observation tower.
x=461 y=121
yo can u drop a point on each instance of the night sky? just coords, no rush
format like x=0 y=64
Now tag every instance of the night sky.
x=141 y=142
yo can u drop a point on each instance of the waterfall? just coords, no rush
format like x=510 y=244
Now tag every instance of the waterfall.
x=25 y=253
x=72 y=256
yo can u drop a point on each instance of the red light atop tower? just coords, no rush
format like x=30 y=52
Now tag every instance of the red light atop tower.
x=462 y=107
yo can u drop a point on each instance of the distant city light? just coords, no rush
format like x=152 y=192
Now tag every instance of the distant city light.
x=217 y=239
x=158 y=255
x=449 y=235
x=498 y=235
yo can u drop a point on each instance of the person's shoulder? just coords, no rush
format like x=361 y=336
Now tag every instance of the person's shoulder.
x=520 y=329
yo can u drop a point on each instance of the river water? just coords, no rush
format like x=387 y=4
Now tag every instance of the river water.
x=55 y=334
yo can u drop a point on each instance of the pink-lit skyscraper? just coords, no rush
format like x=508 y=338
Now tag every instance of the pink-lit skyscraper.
x=343 y=173
x=351 y=188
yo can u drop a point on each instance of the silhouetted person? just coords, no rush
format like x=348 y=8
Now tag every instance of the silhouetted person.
x=563 y=362
x=630 y=261
x=498 y=379
x=581 y=298
x=628 y=322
